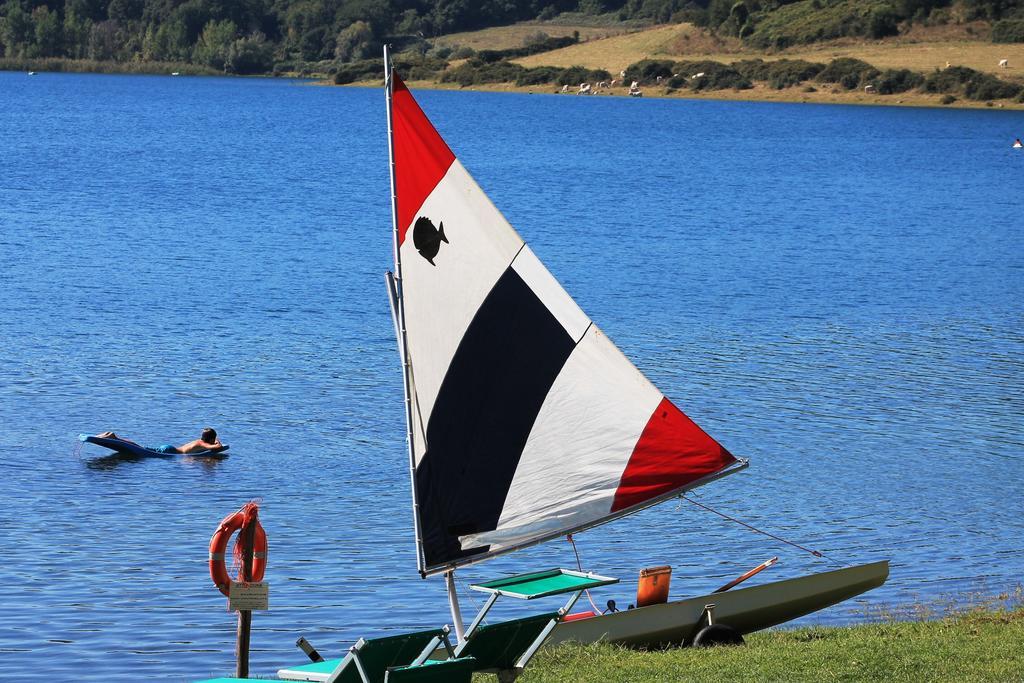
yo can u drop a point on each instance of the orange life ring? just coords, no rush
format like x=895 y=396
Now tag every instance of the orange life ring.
x=237 y=521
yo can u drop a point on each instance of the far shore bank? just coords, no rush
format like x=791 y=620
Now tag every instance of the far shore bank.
x=816 y=94
x=823 y=94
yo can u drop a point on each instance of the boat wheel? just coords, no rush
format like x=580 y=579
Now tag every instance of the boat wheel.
x=717 y=634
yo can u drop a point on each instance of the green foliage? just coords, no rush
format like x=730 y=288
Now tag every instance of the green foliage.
x=251 y=55
x=951 y=80
x=215 y=43
x=539 y=75
x=809 y=21
x=1008 y=31
x=476 y=71
x=574 y=75
x=971 y=84
x=782 y=73
x=293 y=32
x=356 y=41
x=984 y=87
x=892 y=81
x=647 y=71
x=708 y=75
x=847 y=72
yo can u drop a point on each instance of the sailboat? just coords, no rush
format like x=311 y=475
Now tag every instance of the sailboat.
x=525 y=422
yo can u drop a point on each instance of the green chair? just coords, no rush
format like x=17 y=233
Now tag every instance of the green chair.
x=507 y=647
x=447 y=671
x=369 y=660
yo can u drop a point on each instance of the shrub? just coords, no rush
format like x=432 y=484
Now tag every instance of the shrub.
x=648 y=70
x=574 y=75
x=1008 y=31
x=462 y=53
x=893 y=81
x=974 y=85
x=988 y=87
x=847 y=72
x=794 y=23
x=363 y=70
x=715 y=76
x=539 y=75
x=883 y=22
x=252 y=55
x=477 y=71
x=786 y=73
x=949 y=80
x=947 y=99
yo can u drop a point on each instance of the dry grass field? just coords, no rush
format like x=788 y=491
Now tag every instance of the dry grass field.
x=506 y=37
x=921 y=51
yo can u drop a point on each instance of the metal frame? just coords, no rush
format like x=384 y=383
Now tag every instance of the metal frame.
x=528 y=654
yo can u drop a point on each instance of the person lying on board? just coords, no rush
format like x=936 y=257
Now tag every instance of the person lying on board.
x=207 y=441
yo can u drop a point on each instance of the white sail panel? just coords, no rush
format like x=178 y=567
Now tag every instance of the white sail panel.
x=592 y=419
x=547 y=289
x=445 y=283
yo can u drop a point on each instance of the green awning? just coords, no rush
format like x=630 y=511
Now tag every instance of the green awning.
x=541 y=584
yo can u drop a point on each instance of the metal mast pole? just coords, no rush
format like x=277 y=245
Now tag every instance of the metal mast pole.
x=453 y=604
x=395 y=285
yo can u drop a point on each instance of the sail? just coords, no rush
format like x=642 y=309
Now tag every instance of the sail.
x=526 y=421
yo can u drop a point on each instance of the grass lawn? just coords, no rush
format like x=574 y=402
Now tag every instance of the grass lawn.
x=977 y=646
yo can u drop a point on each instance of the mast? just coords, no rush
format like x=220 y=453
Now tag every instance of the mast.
x=394 y=283
x=398 y=309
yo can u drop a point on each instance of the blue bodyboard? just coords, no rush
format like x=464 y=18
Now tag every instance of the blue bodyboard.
x=129 y=448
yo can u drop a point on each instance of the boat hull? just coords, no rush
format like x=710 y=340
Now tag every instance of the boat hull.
x=746 y=609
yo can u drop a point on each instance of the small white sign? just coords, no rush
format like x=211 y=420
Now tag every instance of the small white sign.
x=249 y=596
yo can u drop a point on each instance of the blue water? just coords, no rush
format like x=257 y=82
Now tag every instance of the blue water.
x=834 y=292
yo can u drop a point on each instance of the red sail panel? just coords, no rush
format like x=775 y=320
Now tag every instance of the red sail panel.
x=672 y=452
x=421 y=156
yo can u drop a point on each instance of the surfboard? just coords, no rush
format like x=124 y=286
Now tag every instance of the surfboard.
x=129 y=448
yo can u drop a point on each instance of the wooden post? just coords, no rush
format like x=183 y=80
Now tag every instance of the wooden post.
x=246 y=536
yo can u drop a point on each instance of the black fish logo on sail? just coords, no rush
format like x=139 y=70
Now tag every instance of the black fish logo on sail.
x=427 y=239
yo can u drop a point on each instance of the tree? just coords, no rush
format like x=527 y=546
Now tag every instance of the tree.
x=47 y=33
x=215 y=43
x=104 y=41
x=170 y=44
x=16 y=30
x=355 y=42
x=250 y=55
x=76 y=29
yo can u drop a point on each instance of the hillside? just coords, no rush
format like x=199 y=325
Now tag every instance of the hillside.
x=923 y=51
x=323 y=36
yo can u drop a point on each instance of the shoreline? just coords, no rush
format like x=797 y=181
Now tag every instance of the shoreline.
x=824 y=94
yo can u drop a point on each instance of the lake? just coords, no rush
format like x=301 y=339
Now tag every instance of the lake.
x=833 y=292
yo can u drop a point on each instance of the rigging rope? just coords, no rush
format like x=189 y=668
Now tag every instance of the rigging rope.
x=816 y=553
x=568 y=537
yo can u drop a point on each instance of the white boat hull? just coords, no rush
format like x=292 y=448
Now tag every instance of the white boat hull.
x=745 y=610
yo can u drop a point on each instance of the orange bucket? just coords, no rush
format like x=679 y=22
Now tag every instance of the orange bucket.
x=653 y=586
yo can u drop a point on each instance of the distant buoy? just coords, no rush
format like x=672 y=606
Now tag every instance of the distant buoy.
x=175 y=73
x=31 y=73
